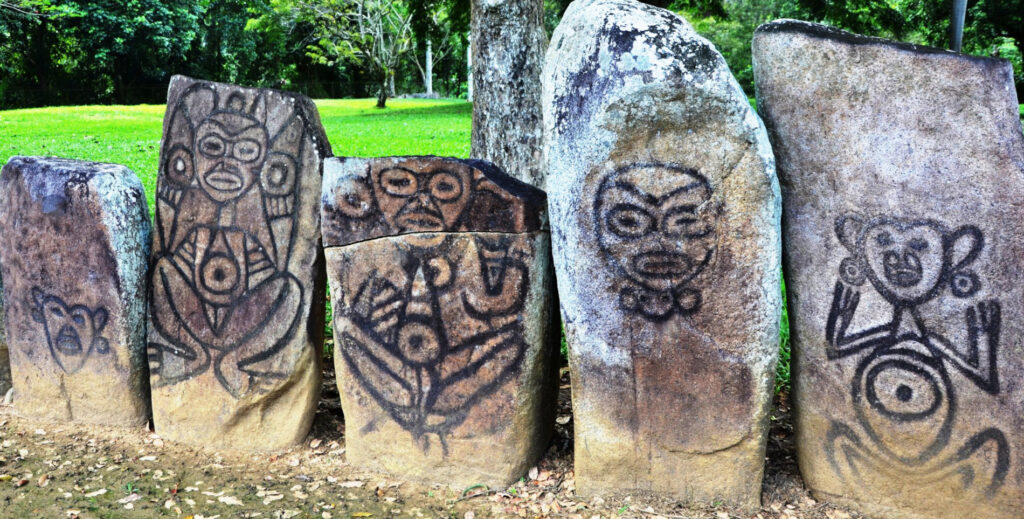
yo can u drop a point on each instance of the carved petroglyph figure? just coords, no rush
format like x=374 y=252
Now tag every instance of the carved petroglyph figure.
x=902 y=387
x=220 y=280
x=73 y=332
x=654 y=228
x=439 y=329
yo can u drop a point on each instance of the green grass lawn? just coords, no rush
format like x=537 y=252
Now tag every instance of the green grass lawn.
x=130 y=135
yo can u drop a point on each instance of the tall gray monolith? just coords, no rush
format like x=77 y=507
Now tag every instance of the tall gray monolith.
x=665 y=231
x=74 y=238
x=902 y=170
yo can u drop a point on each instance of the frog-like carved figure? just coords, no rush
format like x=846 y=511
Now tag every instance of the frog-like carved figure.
x=226 y=217
x=902 y=391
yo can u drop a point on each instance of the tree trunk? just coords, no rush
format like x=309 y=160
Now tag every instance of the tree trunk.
x=391 y=84
x=382 y=94
x=469 y=68
x=428 y=79
x=508 y=45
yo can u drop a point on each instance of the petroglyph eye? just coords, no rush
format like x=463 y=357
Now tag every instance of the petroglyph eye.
x=883 y=239
x=918 y=244
x=246 y=150
x=445 y=187
x=398 y=182
x=683 y=221
x=630 y=221
x=212 y=146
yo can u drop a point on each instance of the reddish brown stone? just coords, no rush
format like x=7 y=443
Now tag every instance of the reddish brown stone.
x=237 y=273
x=399 y=195
x=74 y=244
x=442 y=285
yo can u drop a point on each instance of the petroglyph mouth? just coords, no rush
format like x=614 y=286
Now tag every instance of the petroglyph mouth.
x=662 y=265
x=224 y=180
x=420 y=221
x=903 y=272
x=68 y=341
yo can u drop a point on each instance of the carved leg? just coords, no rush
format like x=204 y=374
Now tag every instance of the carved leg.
x=182 y=356
x=261 y=324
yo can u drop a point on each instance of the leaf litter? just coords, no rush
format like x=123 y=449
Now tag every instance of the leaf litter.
x=85 y=472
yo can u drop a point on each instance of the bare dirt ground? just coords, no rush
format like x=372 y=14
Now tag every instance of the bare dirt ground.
x=75 y=472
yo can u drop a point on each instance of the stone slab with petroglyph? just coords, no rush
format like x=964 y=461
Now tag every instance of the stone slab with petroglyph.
x=445 y=344
x=665 y=230
x=75 y=243
x=902 y=169
x=237 y=300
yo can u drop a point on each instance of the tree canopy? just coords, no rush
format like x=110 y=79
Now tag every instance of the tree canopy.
x=124 y=51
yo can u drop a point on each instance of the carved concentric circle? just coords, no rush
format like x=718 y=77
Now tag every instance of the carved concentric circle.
x=278 y=174
x=419 y=343
x=220 y=273
x=179 y=166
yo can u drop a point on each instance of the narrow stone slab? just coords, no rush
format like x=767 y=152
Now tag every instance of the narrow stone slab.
x=5 y=361
x=74 y=242
x=901 y=170
x=236 y=309
x=665 y=224
x=445 y=338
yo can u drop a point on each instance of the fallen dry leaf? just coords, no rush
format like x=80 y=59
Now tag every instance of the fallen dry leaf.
x=230 y=500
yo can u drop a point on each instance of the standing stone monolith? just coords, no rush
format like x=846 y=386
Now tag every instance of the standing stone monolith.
x=665 y=230
x=902 y=169
x=237 y=302
x=74 y=238
x=443 y=298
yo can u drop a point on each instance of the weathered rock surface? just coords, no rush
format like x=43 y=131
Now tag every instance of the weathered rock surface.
x=508 y=42
x=665 y=224
x=5 y=362
x=902 y=169
x=237 y=302
x=443 y=298
x=75 y=242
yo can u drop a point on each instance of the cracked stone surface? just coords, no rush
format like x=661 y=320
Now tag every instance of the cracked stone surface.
x=665 y=232
x=901 y=171
x=75 y=243
x=237 y=300
x=443 y=298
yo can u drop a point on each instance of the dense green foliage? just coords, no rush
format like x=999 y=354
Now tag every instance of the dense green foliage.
x=993 y=27
x=65 y=52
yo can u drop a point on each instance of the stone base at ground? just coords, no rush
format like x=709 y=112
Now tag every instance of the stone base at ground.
x=665 y=232
x=902 y=170
x=237 y=300
x=75 y=242
x=445 y=343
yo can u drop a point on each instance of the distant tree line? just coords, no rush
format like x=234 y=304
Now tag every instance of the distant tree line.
x=60 y=52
